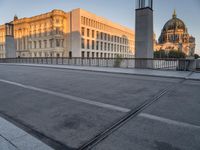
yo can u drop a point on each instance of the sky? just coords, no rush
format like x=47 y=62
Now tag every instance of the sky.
x=119 y=11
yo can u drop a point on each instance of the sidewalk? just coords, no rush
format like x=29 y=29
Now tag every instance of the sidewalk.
x=144 y=72
x=14 y=138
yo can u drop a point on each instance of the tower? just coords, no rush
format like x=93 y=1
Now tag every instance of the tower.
x=10 y=42
x=144 y=33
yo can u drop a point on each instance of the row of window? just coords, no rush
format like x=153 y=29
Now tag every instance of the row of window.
x=101 y=55
x=40 y=33
x=46 y=54
x=95 y=24
x=103 y=36
x=97 y=45
x=21 y=44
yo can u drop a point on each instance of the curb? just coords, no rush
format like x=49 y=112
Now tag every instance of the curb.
x=90 y=70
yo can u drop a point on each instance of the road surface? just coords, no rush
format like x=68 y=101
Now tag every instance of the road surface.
x=68 y=108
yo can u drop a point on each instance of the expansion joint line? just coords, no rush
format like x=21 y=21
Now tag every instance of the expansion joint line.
x=130 y=115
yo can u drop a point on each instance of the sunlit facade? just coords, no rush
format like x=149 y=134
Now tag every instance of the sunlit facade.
x=77 y=33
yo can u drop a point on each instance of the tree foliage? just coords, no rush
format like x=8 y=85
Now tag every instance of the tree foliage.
x=196 y=56
x=169 y=54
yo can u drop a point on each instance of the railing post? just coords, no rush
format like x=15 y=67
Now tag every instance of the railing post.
x=106 y=62
x=82 y=61
x=127 y=61
x=89 y=61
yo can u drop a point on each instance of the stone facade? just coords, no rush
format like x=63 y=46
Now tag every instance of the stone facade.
x=77 y=33
x=175 y=36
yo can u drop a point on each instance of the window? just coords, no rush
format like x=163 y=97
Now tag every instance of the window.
x=35 y=44
x=92 y=54
x=88 y=32
x=70 y=54
x=30 y=45
x=57 y=30
x=83 y=43
x=92 y=33
x=108 y=46
x=83 y=54
x=83 y=31
x=97 y=45
x=87 y=21
x=40 y=44
x=101 y=36
x=45 y=43
x=105 y=36
x=88 y=54
x=97 y=55
x=62 y=42
x=92 y=44
x=101 y=55
x=88 y=44
x=57 y=43
x=82 y=19
x=101 y=45
x=51 y=42
x=105 y=46
x=97 y=35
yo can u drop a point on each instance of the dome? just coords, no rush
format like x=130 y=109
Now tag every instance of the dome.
x=174 y=24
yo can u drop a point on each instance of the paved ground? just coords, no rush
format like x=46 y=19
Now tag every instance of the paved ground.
x=14 y=138
x=66 y=108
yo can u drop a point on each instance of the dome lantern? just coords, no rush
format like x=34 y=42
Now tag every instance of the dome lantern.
x=174 y=14
x=15 y=17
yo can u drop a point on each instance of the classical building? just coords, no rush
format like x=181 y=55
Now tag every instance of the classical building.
x=175 y=36
x=77 y=33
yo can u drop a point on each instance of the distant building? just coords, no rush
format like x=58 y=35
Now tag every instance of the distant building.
x=77 y=33
x=175 y=36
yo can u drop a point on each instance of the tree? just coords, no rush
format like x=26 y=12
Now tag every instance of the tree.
x=117 y=62
x=176 y=54
x=196 y=56
x=160 y=54
x=169 y=54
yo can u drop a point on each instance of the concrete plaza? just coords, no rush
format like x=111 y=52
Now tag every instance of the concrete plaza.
x=66 y=107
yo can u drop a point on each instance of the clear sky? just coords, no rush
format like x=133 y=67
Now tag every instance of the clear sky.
x=119 y=11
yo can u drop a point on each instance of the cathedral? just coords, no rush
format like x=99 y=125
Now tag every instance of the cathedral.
x=175 y=36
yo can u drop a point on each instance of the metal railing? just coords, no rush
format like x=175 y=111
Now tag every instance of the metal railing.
x=163 y=64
